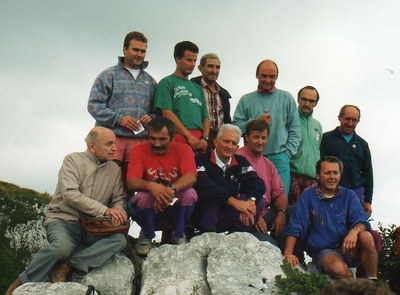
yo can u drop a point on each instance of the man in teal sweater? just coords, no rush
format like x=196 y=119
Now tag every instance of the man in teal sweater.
x=278 y=109
x=302 y=165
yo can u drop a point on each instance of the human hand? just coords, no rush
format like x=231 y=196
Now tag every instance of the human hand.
x=261 y=226
x=201 y=145
x=350 y=241
x=193 y=142
x=163 y=196
x=246 y=219
x=145 y=119
x=248 y=207
x=130 y=123
x=267 y=118
x=368 y=208
x=292 y=259
x=118 y=215
x=279 y=223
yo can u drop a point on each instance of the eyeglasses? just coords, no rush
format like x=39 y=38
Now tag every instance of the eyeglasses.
x=347 y=119
x=310 y=101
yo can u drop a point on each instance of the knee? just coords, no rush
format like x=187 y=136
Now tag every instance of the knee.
x=143 y=200
x=366 y=241
x=120 y=241
x=61 y=251
x=188 y=197
x=338 y=270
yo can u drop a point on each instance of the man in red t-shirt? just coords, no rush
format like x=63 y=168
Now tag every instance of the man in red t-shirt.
x=162 y=173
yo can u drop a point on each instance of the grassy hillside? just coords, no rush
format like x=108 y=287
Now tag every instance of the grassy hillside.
x=18 y=206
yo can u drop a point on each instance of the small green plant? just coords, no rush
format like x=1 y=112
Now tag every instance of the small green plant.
x=298 y=282
x=389 y=257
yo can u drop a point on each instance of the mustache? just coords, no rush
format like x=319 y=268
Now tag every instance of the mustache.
x=158 y=148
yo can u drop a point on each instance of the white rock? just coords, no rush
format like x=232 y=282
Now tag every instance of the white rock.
x=213 y=264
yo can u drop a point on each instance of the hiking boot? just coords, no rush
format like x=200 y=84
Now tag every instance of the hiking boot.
x=166 y=237
x=143 y=245
x=60 y=273
x=179 y=241
x=14 y=286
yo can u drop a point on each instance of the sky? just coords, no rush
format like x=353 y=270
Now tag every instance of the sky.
x=51 y=52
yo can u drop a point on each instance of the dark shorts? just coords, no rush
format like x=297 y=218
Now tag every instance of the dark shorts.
x=317 y=259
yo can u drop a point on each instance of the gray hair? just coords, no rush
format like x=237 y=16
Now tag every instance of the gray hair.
x=231 y=128
x=206 y=56
x=95 y=133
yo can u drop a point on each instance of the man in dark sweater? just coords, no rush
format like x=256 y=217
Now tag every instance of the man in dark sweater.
x=230 y=193
x=344 y=143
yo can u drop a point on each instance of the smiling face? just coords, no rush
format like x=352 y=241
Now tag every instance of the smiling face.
x=349 y=120
x=134 y=54
x=256 y=141
x=226 y=145
x=210 y=71
x=185 y=64
x=329 y=177
x=267 y=75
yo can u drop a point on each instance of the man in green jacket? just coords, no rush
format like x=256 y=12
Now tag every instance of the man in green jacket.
x=302 y=165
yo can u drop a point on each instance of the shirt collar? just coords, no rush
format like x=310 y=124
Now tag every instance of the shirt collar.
x=205 y=85
x=218 y=161
x=320 y=194
x=262 y=91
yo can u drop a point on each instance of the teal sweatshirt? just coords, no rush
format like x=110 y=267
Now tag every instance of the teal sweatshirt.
x=304 y=161
x=285 y=127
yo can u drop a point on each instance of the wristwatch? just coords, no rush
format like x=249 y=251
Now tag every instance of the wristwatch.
x=282 y=210
x=204 y=137
x=356 y=228
x=173 y=187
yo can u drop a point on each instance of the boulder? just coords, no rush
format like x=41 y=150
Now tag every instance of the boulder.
x=114 y=277
x=213 y=264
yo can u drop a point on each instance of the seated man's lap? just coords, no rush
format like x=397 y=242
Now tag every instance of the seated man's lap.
x=319 y=258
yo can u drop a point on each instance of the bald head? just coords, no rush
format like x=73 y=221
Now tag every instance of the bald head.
x=267 y=74
x=101 y=143
x=267 y=63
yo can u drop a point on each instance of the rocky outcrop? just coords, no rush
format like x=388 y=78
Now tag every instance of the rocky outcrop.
x=210 y=264
x=213 y=264
x=115 y=277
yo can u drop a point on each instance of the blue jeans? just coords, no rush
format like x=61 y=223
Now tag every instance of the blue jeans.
x=282 y=164
x=69 y=242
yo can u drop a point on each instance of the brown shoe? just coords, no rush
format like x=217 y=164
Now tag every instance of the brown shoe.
x=60 y=273
x=14 y=286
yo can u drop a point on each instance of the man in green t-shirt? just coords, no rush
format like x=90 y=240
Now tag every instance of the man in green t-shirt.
x=182 y=101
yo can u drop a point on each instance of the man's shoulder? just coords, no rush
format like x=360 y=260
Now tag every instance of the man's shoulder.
x=250 y=96
x=141 y=147
x=315 y=124
x=109 y=72
x=196 y=80
x=178 y=148
x=167 y=79
x=334 y=132
x=223 y=93
x=149 y=77
x=359 y=138
x=241 y=160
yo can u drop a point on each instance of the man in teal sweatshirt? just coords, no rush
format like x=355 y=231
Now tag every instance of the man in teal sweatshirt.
x=302 y=165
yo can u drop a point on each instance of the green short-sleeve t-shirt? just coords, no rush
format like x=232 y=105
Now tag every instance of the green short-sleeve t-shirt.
x=184 y=98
